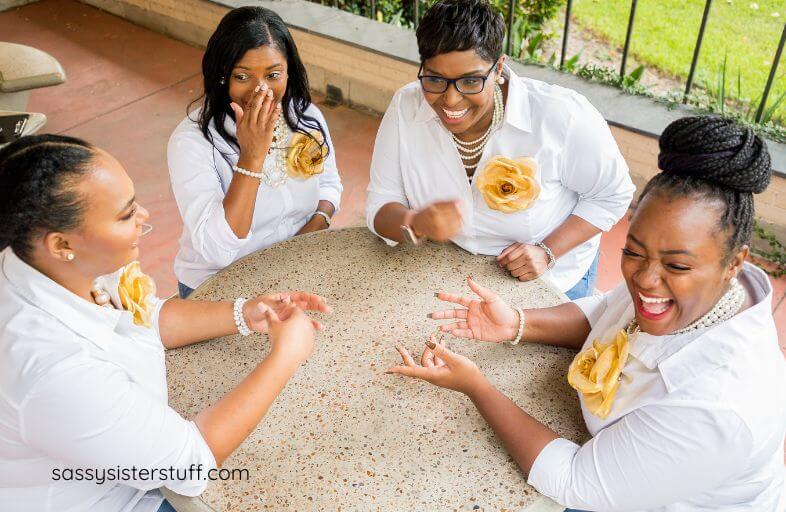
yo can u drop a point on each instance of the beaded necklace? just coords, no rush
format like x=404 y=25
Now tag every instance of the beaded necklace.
x=471 y=150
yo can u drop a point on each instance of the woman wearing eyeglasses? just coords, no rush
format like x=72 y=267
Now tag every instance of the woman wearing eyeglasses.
x=498 y=164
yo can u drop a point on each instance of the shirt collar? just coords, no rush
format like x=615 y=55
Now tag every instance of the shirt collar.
x=517 y=107
x=683 y=357
x=87 y=319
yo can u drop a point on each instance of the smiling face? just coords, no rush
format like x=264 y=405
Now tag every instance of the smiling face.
x=462 y=114
x=108 y=235
x=265 y=64
x=675 y=262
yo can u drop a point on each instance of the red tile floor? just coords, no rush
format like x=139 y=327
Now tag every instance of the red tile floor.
x=127 y=89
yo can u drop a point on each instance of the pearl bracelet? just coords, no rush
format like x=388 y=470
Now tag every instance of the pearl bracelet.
x=257 y=175
x=520 y=332
x=237 y=313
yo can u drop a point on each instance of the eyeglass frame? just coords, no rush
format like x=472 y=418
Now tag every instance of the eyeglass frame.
x=454 y=81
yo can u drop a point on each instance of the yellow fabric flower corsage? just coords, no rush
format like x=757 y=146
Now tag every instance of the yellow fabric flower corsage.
x=595 y=373
x=306 y=156
x=509 y=185
x=136 y=291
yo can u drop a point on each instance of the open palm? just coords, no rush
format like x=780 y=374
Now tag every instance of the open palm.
x=487 y=319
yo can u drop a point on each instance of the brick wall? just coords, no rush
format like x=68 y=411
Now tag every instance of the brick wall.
x=641 y=154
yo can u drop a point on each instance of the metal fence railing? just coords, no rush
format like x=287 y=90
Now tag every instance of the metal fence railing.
x=510 y=19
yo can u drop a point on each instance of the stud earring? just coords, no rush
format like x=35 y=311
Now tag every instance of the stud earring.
x=500 y=80
x=70 y=256
x=222 y=81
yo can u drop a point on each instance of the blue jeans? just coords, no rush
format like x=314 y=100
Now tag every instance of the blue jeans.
x=586 y=286
x=166 y=507
x=183 y=290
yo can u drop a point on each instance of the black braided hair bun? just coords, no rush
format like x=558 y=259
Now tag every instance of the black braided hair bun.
x=716 y=150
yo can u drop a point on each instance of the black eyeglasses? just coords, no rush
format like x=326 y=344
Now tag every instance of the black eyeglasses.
x=464 y=85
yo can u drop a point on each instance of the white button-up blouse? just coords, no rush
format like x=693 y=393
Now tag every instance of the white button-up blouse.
x=697 y=424
x=580 y=170
x=200 y=177
x=84 y=388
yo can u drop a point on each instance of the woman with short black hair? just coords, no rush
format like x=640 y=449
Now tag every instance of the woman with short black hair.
x=83 y=394
x=499 y=164
x=679 y=373
x=254 y=165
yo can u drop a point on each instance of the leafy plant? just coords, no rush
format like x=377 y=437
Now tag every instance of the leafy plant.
x=776 y=253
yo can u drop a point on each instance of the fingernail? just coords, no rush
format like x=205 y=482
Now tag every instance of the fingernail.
x=269 y=93
x=428 y=315
x=431 y=345
x=389 y=373
x=256 y=89
x=436 y=294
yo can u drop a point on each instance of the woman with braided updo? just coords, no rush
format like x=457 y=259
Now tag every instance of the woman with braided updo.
x=679 y=373
x=83 y=394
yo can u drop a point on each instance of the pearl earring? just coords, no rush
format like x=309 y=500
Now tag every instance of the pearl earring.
x=70 y=256
x=500 y=80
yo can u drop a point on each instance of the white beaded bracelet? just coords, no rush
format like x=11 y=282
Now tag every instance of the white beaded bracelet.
x=257 y=175
x=237 y=313
x=520 y=332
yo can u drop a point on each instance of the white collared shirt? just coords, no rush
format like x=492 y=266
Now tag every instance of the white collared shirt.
x=580 y=170
x=697 y=424
x=83 y=387
x=200 y=178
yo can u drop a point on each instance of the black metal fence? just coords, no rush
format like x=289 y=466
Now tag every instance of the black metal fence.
x=510 y=14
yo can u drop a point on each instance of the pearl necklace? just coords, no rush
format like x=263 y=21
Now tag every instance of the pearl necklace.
x=100 y=295
x=728 y=306
x=469 y=151
x=274 y=170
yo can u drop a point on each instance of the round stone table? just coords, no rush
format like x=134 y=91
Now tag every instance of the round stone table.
x=344 y=435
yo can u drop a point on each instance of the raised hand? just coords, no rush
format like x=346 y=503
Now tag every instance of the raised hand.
x=442 y=368
x=524 y=262
x=254 y=309
x=256 y=123
x=487 y=319
x=438 y=222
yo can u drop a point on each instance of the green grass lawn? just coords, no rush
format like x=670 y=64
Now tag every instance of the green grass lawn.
x=665 y=32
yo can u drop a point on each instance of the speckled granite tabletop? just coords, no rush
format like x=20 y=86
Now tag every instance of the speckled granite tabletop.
x=345 y=436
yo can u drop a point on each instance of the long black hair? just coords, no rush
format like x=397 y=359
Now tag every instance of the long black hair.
x=240 y=30
x=715 y=159
x=37 y=195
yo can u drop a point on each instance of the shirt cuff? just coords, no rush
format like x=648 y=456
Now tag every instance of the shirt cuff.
x=599 y=216
x=202 y=460
x=372 y=214
x=550 y=473
x=592 y=307
x=332 y=195
x=156 y=316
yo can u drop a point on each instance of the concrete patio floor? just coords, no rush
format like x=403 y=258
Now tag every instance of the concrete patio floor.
x=127 y=89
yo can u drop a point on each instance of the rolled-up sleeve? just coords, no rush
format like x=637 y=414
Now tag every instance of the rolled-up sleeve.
x=330 y=187
x=386 y=184
x=595 y=169
x=115 y=425
x=199 y=197
x=594 y=306
x=649 y=458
